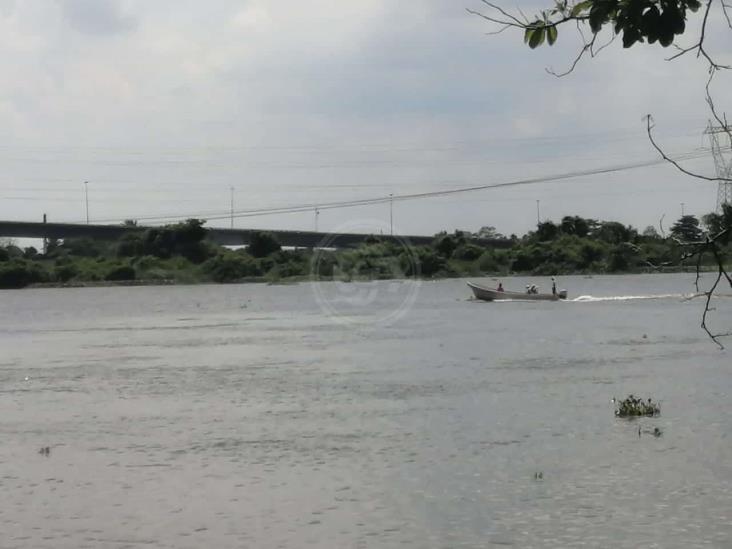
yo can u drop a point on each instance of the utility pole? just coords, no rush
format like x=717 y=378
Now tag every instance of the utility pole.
x=391 y=214
x=86 y=198
x=682 y=209
x=538 y=217
x=721 y=148
x=45 y=239
x=317 y=213
x=231 y=208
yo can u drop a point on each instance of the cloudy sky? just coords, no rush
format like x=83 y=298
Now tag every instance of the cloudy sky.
x=165 y=106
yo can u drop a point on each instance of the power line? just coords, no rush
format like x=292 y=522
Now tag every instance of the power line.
x=414 y=196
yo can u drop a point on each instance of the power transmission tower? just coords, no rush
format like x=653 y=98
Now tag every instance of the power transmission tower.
x=721 y=144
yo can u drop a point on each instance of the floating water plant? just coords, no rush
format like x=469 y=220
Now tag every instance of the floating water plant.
x=636 y=407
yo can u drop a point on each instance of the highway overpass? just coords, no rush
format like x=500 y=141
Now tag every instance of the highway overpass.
x=225 y=237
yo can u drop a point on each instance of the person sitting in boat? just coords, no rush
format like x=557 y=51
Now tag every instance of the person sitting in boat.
x=528 y=288
x=534 y=289
x=500 y=287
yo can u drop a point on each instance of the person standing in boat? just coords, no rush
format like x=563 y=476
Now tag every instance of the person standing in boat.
x=554 y=286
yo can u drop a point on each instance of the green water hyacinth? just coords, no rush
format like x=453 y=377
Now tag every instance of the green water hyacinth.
x=636 y=407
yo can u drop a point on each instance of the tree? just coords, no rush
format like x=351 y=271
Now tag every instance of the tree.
x=613 y=232
x=575 y=225
x=651 y=232
x=467 y=252
x=619 y=259
x=637 y=20
x=130 y=245
x=719 y=223
x=230 y=266
x=18 y=273
x=686 y=229
x=263 y=244
x=81 y=247
x=489 y=233
x=425 y=262
x=445 y=245
x=30 y=253
x=185 y=239
x=546 y=230
x=713 y=222
x=52 y=244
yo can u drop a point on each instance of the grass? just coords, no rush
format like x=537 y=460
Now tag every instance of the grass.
x=636 y=407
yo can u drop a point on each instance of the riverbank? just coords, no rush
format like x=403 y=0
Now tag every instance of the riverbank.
x=180 y=254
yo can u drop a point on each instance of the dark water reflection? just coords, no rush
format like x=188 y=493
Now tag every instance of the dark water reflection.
x=243 y=416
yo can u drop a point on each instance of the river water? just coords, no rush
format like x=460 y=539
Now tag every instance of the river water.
x=391 y=414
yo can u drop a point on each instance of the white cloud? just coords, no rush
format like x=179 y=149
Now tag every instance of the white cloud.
x=254 y=16
x=97 y=17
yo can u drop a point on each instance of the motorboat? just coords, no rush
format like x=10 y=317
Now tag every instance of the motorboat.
x=491 y=294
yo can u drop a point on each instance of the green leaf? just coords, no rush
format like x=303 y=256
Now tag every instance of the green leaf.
x=579 y=8
x=598 y=17
x=630 y=36
x=537 y=38
x=666 y=38
x=528 y=33
x=551 y=35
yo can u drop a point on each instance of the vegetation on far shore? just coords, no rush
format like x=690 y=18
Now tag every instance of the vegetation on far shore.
x=181 y=253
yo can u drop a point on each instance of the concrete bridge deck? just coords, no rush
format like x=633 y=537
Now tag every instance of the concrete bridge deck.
x=225 y=237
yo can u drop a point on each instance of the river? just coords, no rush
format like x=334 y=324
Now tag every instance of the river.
x=390 y=414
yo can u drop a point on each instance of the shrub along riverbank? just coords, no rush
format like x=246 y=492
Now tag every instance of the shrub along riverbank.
x=180 y=253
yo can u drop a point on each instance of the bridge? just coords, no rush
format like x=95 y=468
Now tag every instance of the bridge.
x=224 y=237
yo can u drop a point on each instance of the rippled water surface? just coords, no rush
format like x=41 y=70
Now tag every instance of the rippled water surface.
x=362 y=415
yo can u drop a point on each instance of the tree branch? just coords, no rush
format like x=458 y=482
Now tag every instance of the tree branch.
x=698 y=250
x=721 y=120
x=725 y=7
x=649 y=130
x=587 y=46
x=699 y=46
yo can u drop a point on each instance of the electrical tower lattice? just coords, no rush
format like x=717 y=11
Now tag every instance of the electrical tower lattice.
x=721 y=144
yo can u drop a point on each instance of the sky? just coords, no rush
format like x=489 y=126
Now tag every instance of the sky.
x=173 y=108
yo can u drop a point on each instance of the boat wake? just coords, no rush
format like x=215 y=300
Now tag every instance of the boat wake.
x=593 y=299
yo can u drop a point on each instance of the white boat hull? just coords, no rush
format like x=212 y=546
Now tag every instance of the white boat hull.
x=489 y=294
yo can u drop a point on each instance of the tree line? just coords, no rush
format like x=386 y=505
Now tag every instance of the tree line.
x=182 y=253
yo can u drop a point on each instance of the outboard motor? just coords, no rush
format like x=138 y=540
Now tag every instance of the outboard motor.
x=562 y=294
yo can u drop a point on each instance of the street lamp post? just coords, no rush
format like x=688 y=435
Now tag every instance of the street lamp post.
x=391 y=214
x=231 y=206
x=86 y=200
x=538 y=217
